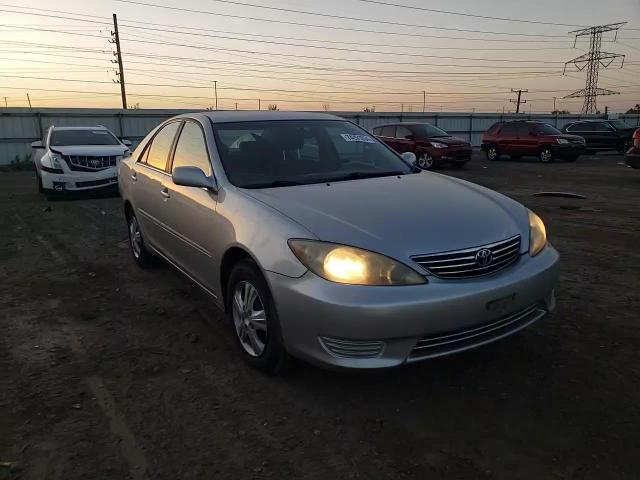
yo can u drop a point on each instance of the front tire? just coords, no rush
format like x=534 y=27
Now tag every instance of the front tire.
x=255 y=321
x=492 y=153
x=425 y=161
x=142 y=256
x=546 y=155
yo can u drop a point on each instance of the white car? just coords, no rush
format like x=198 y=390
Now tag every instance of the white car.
x=78 y=158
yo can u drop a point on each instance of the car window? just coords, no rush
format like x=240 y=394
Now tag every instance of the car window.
x=545 y=129
x=601 y=127
x=618 y=124
x=581 y=127
x=161 y=146
x=267 y=154
x=403 y=132
x=389 y=131
x=509 y=129
x=425 y=130
x=63 y=138
x=191 y=149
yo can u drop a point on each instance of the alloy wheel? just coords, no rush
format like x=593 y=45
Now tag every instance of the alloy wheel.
x=135 y=237
x=249 y=318
x=492 y=153
x=545 y=155
x=425 y=161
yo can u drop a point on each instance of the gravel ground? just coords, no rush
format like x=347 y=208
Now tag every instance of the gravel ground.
x=111 y=372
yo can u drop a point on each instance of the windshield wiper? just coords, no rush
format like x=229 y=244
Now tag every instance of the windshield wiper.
x=359 y=175
x=274 y=184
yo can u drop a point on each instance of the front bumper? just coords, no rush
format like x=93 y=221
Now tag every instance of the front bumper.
x=632 y=158
x=450 y=155
x=79 y=181
x=561 y=150
x=374 y=327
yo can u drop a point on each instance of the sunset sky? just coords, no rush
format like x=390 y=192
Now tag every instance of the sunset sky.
x=384 y=56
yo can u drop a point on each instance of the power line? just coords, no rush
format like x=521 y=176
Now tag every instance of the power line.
x=331 y=27
x=359 y=19
x=485 y=17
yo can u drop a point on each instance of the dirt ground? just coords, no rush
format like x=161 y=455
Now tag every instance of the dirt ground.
x=111 y=372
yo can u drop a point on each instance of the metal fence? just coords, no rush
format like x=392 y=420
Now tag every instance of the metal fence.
x=21 y=126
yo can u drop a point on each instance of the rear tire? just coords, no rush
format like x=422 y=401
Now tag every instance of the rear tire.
x=250 y=306
x=492 y=153
x=141 y=255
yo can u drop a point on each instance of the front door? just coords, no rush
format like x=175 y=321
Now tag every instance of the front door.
x=404 y=141
x=191 y=212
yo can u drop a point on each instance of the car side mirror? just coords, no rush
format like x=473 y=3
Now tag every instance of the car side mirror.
x=126 y=143
x=409 y=157
x=37 y=144
x=192 y=177
x=410 y=137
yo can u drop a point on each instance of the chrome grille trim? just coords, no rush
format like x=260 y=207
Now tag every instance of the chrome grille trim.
x=444 y=343
x=460 y=264
x=342 y=348
x=90 y=163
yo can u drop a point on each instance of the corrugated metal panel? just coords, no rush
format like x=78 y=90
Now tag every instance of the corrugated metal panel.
x=20 y=126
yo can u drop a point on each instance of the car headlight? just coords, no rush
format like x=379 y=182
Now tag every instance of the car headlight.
x=51 y=161
x=438 y=145
x=562 y=141
x=537 y=234
x=343 y=264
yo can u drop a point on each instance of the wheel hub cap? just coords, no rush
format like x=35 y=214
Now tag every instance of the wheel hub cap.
x=249 y=319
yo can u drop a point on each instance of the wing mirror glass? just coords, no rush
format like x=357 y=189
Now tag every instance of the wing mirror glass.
x=37 y=144
x=192 y=177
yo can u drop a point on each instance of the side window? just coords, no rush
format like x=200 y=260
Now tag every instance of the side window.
x=161 y=146
x=389 y=131
x=601 y=127
x=191 y=150
x=402 y=132
x=522 y=129
x=508 y=129
x=581 y=127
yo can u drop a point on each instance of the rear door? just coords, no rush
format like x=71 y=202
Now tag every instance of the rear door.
x=605 y=136
x=527 y=139
x=148 y=178
x=506 y=138
x=190 y=212
x=404 y=140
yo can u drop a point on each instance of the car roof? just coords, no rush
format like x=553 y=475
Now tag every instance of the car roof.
x=404 y=124
x=258 y=116
x=590 y=120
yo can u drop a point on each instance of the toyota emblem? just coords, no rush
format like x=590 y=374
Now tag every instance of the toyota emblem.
x=484 y=257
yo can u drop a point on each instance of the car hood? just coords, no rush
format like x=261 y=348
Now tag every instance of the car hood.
x=445 y=140
x=91 y=150
x=401 y=216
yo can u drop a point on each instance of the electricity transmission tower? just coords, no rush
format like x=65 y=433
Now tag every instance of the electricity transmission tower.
x=591 y=61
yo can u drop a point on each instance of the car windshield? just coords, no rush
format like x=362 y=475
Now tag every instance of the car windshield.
x=291 y=152
x=424 y=130
x=618 y=124
x=546 y=129
x=63 y=138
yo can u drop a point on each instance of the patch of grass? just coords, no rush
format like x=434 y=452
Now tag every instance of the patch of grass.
x=19 y=164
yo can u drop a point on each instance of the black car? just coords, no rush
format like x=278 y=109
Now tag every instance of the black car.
x=602 y=134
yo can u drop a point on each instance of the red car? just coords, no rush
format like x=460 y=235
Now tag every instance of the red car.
x=527 y=138
x=632 y=157
x=431 y=145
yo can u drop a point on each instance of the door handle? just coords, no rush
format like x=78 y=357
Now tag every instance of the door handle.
x=134 y=176
x=165 y=192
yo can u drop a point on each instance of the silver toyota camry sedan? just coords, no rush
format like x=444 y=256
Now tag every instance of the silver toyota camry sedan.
x=323 y=244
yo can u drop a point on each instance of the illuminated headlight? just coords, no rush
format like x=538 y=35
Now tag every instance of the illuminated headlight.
x=537 y=234
x=438 y=145
x=53 y=160
x=343 y=264
x=562 y=141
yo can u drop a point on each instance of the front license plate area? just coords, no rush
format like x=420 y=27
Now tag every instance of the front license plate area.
x=502 y=304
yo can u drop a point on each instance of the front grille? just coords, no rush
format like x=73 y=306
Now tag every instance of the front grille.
x=342 y=348
x=95 y=183
x=450 y=342
x=468 y=263
x=85 y=163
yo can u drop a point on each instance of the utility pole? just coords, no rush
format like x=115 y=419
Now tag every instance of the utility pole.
x=215 y=88
x=259 y=105
x=519 y=100
x=236 y=105
x=5 y=102
x=118 y=53
x=29 y=100
x=554 y=104
x=591 y=61
x=424 y=100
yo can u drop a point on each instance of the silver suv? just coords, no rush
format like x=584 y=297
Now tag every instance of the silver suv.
x=322 y=243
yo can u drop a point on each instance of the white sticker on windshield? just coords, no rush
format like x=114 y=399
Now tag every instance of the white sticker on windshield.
x=99 y=132
x=357 y=138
